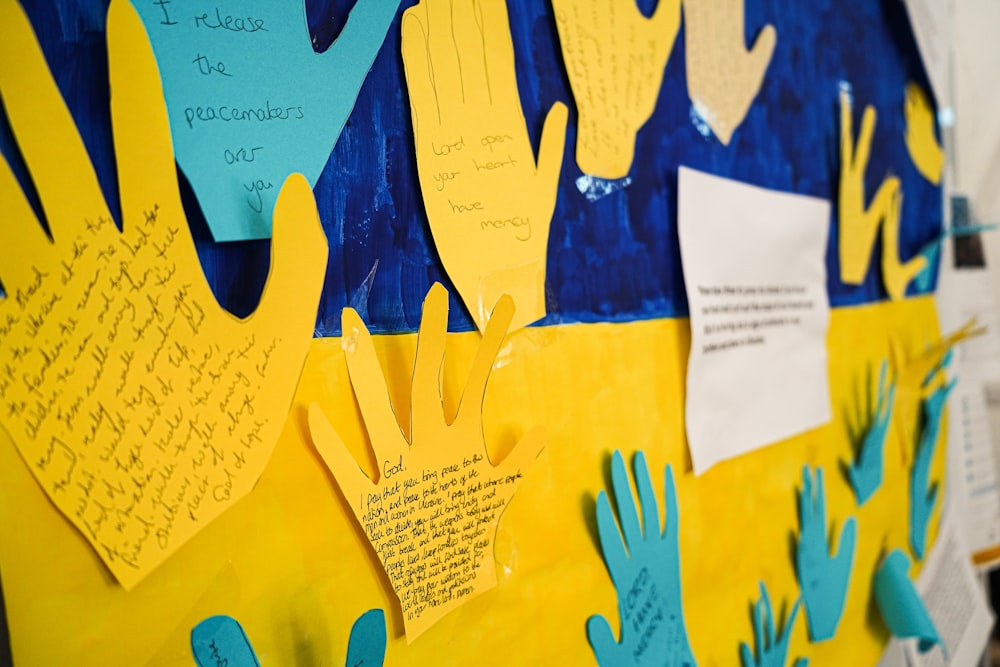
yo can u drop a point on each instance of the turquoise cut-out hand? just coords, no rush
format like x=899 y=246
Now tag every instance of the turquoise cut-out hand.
x=251 y=102
x=366 y=647
x=923 y=493
x=822 y=577
x=865 y=472
x=644 y=564
x=771 y=643
x=220 y=640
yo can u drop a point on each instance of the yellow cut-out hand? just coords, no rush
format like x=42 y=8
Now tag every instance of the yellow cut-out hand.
x=488 y=202
x=142 y=408
x=432 y=509
x=921 y=144
x=858 y=225
x=615 y=59
x=722 y=76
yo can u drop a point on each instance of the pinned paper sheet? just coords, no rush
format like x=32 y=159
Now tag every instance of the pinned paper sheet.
x=142 y=408
x=251 y=102
x=220 y=640
x=921 y=143
x=858 y=224
x=723 y=77
x=758 y=327
x=865 y=471
x=770 y=640
x=431 y=511
x=902 y=609
x=645 y=566
x=823 y=573
x=615 y=59
x=488 y=201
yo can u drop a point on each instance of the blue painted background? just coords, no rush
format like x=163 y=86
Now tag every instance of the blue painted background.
x=613 y=260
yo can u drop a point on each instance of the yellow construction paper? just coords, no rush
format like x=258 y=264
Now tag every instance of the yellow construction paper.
x=921 y=143
x=291 y=562
x=142 y=408
x=723 y=77
x=858 y=224
x=488 y=201
x=615 y=59
x=432 y=506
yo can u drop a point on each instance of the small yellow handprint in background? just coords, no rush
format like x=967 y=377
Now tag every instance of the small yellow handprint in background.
x=142 y=408
x=615 y=59
x=921 y=144
x=488 y=201
x=858 y=224
x=432 y=508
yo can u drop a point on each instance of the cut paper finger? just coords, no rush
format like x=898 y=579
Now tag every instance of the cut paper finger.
x=723 y=77
x=897 y=274
x=824 y=574
x=141 y=407
x=220 y=640
x=488 y=199
x=932 y=250
x=924 y=493
x=921 y=144
x=865 y=472
x=432 y=510
x=902 y=608
x=251 y=102
x=615 y=59
x=644 y=563
x=770 y=640
x=366 y=647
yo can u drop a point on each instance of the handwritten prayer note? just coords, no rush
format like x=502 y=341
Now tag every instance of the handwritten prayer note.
x=141 y=407
x=615 y=59
x=251 y=102
x=489 y=201
x=432 y=509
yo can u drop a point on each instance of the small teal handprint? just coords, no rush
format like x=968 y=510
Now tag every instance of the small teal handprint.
x=865 y=473
x=923 y=493
x=644 y=564
x=219 y=641
x=822 y=577
x=771 y=643
x=251 y=102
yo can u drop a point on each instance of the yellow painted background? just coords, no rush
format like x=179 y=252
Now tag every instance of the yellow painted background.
x=290 y=563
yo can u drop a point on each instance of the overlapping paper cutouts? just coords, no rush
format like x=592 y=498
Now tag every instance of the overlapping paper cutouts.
x=488 y=200
x=871 y=428
x=723 y=77
x=902 y=608
x=770 y=637
x=615 y=59
x=859 y=224
x=432 y=510
x=142 y=408
x=251 y=102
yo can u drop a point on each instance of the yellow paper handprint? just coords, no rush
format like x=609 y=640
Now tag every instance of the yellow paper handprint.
x=488 y=202
x=432 y=509
x=615 y=59
x=923 y=148
x=723 y=77
x=859 y=225
x=142 y=408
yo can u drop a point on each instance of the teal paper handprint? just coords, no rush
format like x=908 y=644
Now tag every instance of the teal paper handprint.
x=923 y=493
x=822 y=577
x=865 y=472
x=251 y=102
x=220 y=641
x=771 y=643
x=644 y=564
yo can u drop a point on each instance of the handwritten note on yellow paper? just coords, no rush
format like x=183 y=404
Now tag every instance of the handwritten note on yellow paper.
x=615 y=59
x=723 y=78
x=921 y=144
x=432 y=509
x=488 y=201
x=141 y=407
x=858 y=224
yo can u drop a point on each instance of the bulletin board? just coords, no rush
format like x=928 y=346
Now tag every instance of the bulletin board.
x=604 y=371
